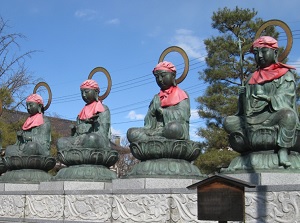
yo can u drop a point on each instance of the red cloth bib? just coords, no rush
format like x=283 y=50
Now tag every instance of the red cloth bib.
x=90 y=110
x=269 y=73
x=33 y=121
x=171 y=96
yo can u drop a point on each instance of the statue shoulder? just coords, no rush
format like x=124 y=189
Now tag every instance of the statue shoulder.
x=46 y=119
x=105 y=107
x=289 y=76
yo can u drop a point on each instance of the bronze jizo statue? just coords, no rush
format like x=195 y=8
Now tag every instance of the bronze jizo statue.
x=35 y=136
x=169 y=111
x=87 y=152
x=29 y=159
x=163 y=144
x=92 y=129
x=267 y=117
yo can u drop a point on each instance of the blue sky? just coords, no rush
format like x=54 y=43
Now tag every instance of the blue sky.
x=126 y=38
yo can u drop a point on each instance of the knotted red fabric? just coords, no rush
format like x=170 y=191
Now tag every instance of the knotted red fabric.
x=37 y=119
x=33 y=121
x=171 y=96
x=90 y=84
x=264 y=41
x=165 y=65
x=269 y=73
x=90 y=110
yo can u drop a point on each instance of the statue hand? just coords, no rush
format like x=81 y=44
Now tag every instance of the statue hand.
x=28 y=138
x=160 y=110
x=262 y=97
x=19 y=133
x=94 y=118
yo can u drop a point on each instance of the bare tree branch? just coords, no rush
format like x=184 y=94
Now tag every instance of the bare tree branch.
x=14 y=75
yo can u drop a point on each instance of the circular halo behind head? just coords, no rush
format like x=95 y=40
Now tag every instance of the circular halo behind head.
x=287 y=30
x=185 y=58
x=44 y=84
x=103 y=70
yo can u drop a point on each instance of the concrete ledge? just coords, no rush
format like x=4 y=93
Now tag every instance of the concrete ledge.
x=268 y=178
x=151 y=183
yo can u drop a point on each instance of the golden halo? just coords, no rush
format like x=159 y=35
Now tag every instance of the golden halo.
x=49 y=92
x=184 y=56
x=103 y=70
x=287 y=30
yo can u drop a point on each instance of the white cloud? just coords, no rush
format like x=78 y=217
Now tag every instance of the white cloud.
x=194 y=114
x=113 y=22
x=133 y=116
x=116 y=131
x=87 y=14
x=192 y=44
x=193 y=133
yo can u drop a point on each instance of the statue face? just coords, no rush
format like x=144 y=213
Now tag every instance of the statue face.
x=88 y=95
x=164 y=79
x=33 y=107
x=264 y=57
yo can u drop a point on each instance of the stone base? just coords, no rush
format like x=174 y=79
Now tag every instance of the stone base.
x=165 y=168
x=85 y=173
x=25 y=176
x=262 y=162
x=268 y=179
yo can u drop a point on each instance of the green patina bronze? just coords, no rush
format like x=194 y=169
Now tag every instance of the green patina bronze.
x=266 y=127
x=163 y=143
x=87 y=153
x=28 y=160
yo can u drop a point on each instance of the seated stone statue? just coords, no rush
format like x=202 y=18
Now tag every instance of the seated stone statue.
x=169 y=111
x=35 y=136
x=267 y=117
x=92 y=129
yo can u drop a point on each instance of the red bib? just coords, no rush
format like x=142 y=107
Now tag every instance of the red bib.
x=171 y=96
x=90 y=110
x=33 y=121
x=269 y=73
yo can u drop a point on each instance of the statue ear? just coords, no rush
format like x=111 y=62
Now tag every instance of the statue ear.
x=276 y=56
x=174 y=79
x=40 y=108
x=96 y=95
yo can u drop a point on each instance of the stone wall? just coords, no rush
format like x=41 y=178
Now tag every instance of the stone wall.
x=137 y=200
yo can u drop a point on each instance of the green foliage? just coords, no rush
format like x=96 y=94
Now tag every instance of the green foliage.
x=9 y=129
x=216 y=137
x=213 y=160
x=6 y=97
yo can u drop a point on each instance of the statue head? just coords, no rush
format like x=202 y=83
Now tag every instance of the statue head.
x=34 y=104
x=89 y=91
x=265 y=50
x=165 y=75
